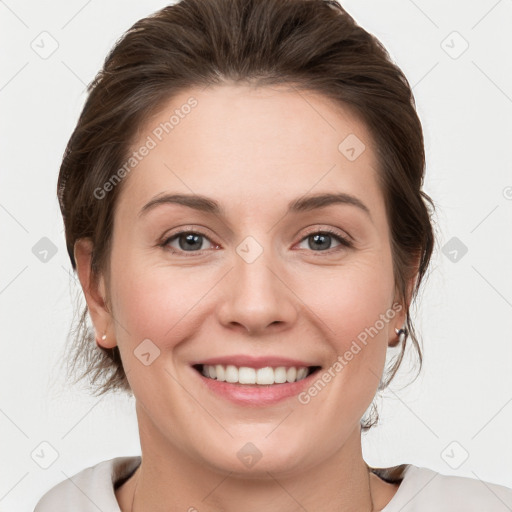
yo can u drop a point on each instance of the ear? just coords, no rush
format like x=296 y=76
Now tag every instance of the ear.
x=95 y=292
x=401 y=316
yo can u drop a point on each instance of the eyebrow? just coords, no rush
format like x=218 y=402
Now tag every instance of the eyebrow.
x=302 y=204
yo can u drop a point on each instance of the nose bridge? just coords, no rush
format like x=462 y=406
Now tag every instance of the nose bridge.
x=257 y=296
x=253 y=268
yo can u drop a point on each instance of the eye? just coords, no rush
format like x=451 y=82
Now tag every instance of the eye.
x=187 y=241
x=320 y=241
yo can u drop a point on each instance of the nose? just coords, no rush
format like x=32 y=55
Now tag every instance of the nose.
x=257 y=297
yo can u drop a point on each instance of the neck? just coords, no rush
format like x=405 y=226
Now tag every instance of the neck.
x=169 y=478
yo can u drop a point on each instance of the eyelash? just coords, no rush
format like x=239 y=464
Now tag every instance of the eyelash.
x=344 y=242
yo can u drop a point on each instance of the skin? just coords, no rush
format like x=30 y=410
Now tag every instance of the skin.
x=253 y=151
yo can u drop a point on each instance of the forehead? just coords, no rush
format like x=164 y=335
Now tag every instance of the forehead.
x=254 y=146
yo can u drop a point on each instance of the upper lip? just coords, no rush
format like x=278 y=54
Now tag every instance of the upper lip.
x=255 y=362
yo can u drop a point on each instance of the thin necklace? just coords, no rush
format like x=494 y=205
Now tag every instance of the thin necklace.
x=138 y=474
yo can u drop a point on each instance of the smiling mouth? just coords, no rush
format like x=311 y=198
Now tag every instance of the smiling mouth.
x=245 y=375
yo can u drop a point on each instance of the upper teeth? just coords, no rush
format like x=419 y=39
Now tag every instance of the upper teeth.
x=246 y=375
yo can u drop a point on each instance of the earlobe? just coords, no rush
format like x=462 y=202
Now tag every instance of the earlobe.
x=94 y=291
x=104 y=341
x=401 y=331
x=399 y=328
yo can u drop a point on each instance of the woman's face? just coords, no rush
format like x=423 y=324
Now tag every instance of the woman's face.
x=260 y=278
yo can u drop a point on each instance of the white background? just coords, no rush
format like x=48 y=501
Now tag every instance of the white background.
x=464 y=393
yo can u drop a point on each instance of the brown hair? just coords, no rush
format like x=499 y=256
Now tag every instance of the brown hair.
x=314 y=45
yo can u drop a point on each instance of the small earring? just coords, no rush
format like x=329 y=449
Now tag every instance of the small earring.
x=402 y=334
x=104 y=337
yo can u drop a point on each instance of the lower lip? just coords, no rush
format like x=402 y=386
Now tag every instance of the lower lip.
x=256 y=394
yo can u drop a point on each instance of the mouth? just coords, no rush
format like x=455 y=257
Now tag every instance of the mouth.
x=255 y=377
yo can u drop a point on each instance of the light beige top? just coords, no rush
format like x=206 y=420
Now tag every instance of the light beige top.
x=421 y=490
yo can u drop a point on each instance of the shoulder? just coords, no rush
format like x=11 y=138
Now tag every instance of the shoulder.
x=90 y=489
x=424 y=489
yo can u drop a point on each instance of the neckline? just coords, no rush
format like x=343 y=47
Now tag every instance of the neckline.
x=125 y=467
x=403 y=475
x=132 y=464
x=392 y=474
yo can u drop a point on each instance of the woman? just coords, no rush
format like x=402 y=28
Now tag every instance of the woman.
x=243 y=207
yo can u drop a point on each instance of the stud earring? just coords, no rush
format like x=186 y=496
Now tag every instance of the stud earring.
x=402 y=334
x=103 y=338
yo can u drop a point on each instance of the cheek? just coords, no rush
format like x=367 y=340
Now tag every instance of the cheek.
x=351 y=299
x=353 y=306
x=153 y=301
x=160 y=305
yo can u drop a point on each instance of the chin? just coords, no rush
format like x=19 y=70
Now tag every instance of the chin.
x=256 y=456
